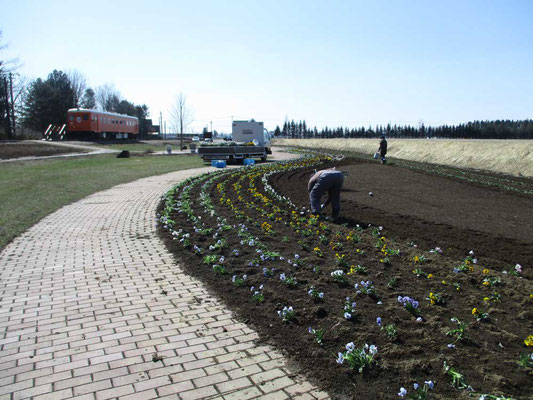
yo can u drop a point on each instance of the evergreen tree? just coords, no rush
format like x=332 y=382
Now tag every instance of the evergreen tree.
x=48 y=101
x=88 y=100
x=125 y=107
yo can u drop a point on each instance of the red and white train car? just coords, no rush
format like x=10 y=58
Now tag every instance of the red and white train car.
x=93 y=124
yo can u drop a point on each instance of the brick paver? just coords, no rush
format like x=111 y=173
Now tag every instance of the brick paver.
x=82 y=314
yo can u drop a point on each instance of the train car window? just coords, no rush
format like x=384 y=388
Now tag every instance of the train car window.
x=85 y=117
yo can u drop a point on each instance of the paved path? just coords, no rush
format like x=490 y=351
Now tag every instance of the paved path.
x=83 y=313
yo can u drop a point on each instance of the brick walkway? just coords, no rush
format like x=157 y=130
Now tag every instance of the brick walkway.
x=94 y=307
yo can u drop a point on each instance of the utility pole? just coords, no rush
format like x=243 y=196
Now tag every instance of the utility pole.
x=13 y=126
x=165 y=130
x=160 y=123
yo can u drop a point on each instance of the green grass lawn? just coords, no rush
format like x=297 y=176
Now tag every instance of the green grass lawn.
x=31 y=190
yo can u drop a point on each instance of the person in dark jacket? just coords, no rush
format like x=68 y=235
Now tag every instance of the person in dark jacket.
x=383 y=149
x=326 y=181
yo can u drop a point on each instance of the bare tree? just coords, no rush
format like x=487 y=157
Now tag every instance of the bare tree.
x=20 y=89
x=181 y=115
x=78 y=83
x=7 y=102
x=107 y=97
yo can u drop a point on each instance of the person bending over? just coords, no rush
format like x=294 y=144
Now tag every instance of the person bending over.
x=326 y=181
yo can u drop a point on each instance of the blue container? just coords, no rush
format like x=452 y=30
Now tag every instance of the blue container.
x=249 y=161
x=218 y=163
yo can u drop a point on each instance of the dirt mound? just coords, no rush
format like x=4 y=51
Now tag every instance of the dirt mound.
x=10 y=150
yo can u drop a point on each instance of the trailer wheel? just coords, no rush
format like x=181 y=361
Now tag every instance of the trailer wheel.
x=264 y=158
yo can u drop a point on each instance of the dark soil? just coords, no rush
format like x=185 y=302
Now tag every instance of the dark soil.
x=10 y=150
x=431 y=210
x=418 y=212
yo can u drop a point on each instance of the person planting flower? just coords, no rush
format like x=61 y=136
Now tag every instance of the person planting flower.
x=326 y=181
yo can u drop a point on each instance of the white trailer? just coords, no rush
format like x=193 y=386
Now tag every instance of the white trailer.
x=250 y=131
x=250 y=140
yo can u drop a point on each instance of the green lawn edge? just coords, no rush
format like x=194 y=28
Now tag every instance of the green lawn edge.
x=31 y=190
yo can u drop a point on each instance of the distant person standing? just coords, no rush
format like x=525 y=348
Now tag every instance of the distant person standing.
x=326 y=181
x=383 y=149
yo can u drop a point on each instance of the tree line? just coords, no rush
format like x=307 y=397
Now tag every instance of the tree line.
x=38 y=103
x=499 y=129
x=47 y=101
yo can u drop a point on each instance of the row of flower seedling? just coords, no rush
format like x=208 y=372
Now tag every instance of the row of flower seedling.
x=358 y=358
x=296 y=222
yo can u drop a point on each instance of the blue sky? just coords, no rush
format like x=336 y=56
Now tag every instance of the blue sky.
x=332 y=63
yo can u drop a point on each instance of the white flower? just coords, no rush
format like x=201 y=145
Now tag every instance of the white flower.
x=402 y=392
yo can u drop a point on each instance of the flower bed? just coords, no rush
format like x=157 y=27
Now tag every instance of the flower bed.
x=363 y=314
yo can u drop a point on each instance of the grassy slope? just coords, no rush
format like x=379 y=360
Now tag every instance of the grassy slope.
x=31 y=190
x=513 y=157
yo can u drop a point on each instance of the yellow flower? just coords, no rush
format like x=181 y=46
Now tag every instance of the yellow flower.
x=485 y=271
x=529 y=341
x=444 y=282
x=430 y=276
x=486 y=299
x=416 y=259
x=531 y=296
x=475 y=311
x=486 y=283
